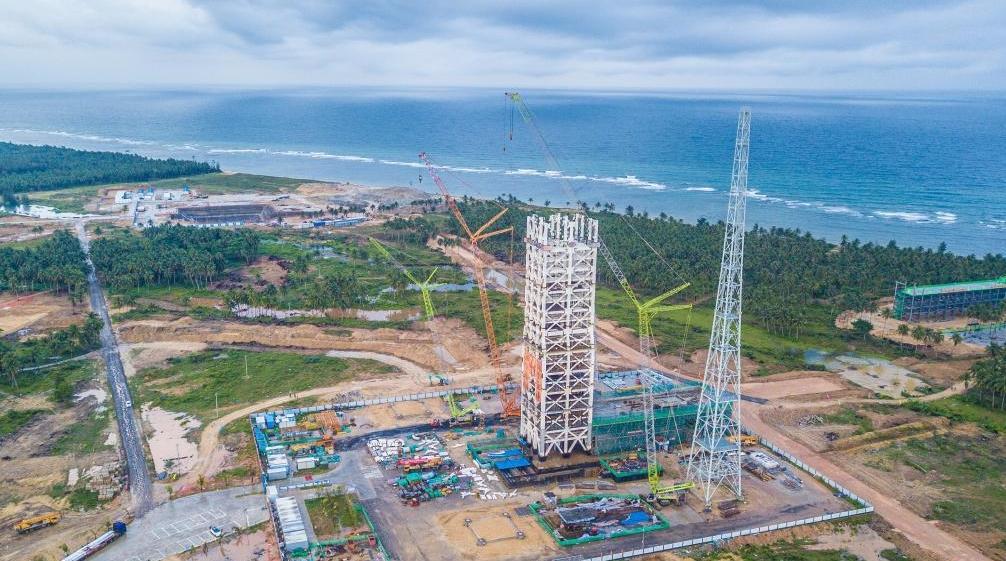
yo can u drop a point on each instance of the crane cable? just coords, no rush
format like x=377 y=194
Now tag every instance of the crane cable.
x=567 y=187
x=667 y=265
x=570 y=191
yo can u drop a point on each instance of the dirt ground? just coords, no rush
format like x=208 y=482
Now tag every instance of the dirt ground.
x=795 y=383
x=321 y=193
x=28 y=471
x=40 y=312
x=887 y=328
x=488 y=521
x=265 y=271
x=155 y=354
x=937 y=373
x=23 y=228
x=416 y=346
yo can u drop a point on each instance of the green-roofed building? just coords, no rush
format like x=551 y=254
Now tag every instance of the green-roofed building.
x=945 y=301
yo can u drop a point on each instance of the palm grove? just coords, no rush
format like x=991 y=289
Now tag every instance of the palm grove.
x=56 y=265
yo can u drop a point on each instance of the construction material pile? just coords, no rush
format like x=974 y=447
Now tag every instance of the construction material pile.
x=418 y=450
x=597 y=517
x=106 y=480
x=626 y=468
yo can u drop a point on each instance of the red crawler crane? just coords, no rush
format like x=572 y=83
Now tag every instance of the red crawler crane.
x=507 y=394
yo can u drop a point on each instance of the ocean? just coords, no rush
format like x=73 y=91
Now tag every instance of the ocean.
x=919 y=169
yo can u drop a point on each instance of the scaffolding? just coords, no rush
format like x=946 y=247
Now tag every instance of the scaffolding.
x=945 y=301
x=618 y=411
x=557 y=384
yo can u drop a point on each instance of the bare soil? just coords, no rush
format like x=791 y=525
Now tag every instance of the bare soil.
x=415 y=346
x=488 y=520
x=28 y=472
x=40 y=312
x=887 y=328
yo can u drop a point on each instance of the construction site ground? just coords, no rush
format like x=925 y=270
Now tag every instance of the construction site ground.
x=38 y=311
x=37 y=459
x=952 y=474
x=435 y=530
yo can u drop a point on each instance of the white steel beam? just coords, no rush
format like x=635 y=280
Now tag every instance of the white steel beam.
x=557 y=385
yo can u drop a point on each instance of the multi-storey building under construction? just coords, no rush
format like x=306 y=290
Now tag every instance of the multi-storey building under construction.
x=557 y=386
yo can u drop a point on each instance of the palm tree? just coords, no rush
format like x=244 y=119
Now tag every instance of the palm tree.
x=886 y=314
x=956 y=338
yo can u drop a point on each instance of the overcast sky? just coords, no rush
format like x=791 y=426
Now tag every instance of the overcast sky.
x=700 y=44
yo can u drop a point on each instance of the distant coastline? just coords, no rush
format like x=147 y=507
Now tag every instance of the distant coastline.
x=837 y=165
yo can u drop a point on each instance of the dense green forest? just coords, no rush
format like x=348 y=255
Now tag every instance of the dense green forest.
x=790 y=277
x=56 y=264
x=171 y=255
x=25 y=168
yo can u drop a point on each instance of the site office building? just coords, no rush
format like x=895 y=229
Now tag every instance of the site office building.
x=557 y=383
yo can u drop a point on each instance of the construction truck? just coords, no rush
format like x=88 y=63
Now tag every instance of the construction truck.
x=35 y=522
x=99 y=543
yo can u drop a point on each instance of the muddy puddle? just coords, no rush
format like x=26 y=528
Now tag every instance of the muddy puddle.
x=171 y=450
x=875 y=374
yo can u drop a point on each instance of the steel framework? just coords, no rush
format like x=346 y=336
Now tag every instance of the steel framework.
x=557 y=385
x=715 y=458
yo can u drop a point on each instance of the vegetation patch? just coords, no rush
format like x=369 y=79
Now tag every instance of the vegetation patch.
x=36 y=168
x=849 y=416
x=332 y=514
x=140 y=312
x=60 y=380
x=780 y=551
x=85 y=437
x=219 y=377
x=970 y=477
x=14 y=420
x=171 y=256
x=963 y=409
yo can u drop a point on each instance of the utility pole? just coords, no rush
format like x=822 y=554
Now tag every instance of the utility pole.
x=715 y=458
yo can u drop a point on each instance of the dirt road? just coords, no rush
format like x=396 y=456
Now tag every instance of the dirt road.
x=211 y=454
x=924 y=533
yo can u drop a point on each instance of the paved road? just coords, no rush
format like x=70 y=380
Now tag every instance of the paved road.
x=140 y=486
x=183 y=524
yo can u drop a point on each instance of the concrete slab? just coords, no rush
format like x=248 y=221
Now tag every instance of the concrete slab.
x=184 y=524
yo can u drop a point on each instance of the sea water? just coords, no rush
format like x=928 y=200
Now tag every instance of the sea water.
x=920 y=169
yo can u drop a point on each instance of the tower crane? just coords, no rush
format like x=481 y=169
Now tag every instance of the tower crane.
x=424 y=286
x=507 y=394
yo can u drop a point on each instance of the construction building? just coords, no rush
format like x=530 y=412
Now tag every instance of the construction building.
x=945 y=301
x=557 y=388
x=226 y=215
x=618 y=411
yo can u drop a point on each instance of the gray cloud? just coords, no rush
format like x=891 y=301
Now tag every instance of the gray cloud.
x=853 y=44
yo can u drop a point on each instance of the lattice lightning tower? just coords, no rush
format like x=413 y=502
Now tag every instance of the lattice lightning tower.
x=715 y=458
x=557 y=385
